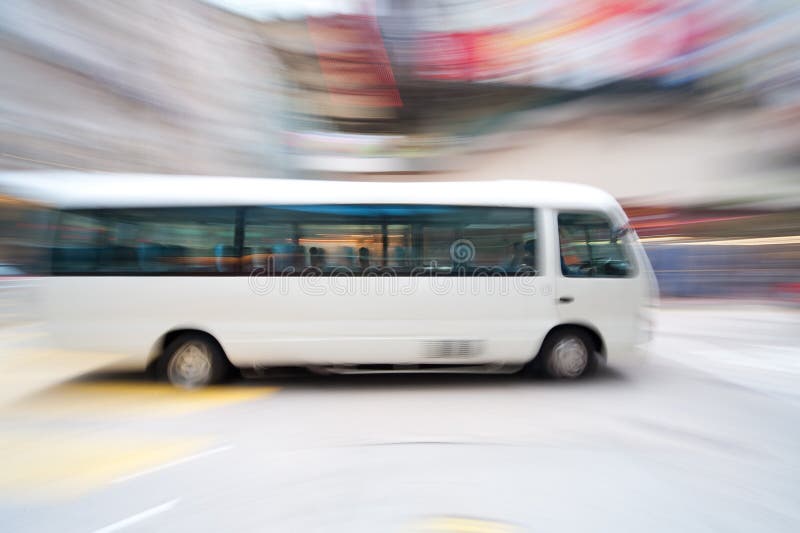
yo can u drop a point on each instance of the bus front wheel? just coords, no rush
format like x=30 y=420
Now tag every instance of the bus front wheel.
x=193 y=360
x=568 y=353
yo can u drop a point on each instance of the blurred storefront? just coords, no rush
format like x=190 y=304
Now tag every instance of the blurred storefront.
x=719 y=252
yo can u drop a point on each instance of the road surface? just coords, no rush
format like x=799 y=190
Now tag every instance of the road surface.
x=701 y=434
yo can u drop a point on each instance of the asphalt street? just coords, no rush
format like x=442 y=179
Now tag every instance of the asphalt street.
x=700 y=433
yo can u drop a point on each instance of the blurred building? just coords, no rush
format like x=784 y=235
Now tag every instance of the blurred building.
x=411 y=87
x=353 y=109
x=417 y=87
x=143 y=86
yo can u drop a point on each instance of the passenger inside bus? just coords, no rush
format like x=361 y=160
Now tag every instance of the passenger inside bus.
x=316 y=257
x=363 y=257
x=515 y=251
x=529 y=258
x=570 y=261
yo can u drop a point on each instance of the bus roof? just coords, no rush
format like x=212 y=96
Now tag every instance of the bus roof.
x=73 y=190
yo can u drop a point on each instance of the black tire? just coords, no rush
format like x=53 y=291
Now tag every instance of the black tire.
x=193 y=360
x=567 y=353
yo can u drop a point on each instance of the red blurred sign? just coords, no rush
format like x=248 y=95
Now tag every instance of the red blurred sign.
x=354 y=61
x=585 y=44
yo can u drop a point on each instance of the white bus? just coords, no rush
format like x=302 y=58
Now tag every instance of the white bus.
x=196 y=276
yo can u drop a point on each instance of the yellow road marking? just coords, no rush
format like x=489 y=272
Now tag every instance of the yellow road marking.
x=43 y=465
x=454 y=524
x=24 y=371
x=125 y=399
x=49 y=463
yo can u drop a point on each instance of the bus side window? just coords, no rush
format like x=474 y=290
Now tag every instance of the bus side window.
x=77 y=238
x=427 y=239
x=132 y=241
x=590 y=248
x=316 y=238
x=470 y=239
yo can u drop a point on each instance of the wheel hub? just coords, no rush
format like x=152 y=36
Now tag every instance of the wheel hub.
x=569 y=358
x=190 y=366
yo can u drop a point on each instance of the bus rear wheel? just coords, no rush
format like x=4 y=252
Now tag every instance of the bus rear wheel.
x=193 y=360
x=568 y=354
